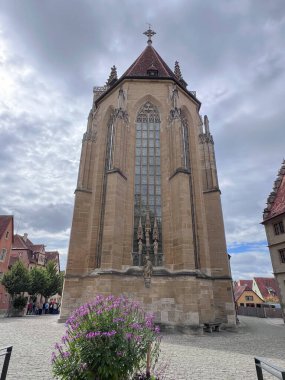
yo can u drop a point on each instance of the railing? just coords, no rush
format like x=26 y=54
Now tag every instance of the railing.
x=7 y=355
x=261 y=364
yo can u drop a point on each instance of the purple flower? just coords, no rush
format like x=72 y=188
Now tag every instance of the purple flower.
x=157 y=329
x=57 y=347
x=66 y=354
x=116 y=320
x=129 y=336
x=93 y=334
x=53 y=357
x=64 y=339
x=136 y=325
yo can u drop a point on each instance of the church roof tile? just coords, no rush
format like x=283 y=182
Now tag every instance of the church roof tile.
x=149 y=58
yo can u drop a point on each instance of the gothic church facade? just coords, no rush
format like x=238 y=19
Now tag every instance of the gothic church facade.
x=147 y=219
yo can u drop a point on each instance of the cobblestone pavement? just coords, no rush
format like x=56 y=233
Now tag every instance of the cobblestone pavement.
x=223 y=355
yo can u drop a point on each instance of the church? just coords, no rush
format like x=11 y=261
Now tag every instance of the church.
x=147 y=221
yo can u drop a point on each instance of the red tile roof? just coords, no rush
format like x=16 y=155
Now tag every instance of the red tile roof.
x=4 y=222
x=247 y=283
x=37 y=247
x=20 y=243
x=238 y=290
x=276 y=200
x=267 y=284
x=52 y=255
x=149 y=60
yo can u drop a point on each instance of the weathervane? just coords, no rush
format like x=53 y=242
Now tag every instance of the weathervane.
x=149 y=33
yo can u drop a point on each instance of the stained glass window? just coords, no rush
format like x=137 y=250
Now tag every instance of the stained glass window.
x=147 y=174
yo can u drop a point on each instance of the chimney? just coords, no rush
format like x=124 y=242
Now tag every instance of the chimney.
x=25 y=237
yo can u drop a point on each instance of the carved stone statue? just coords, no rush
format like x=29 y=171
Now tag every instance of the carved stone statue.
x=155 y=247
x=140 y=244
x=148 y=268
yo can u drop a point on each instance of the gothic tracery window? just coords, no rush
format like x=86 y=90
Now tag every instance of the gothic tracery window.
x=147 y=208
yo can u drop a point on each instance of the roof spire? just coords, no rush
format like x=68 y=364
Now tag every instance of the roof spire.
x=113 y=77
x=149 y=33
x=177 y=70
x=178 y=74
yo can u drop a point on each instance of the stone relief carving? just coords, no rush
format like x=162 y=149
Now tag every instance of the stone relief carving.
x=147 y=271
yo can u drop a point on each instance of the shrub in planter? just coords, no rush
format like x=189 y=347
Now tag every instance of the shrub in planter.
x=107 y=339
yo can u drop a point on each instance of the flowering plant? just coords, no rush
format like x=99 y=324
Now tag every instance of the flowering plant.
x=107 y=339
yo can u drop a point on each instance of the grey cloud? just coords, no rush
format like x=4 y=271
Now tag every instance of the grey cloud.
x=230 y=52
x=251 y=264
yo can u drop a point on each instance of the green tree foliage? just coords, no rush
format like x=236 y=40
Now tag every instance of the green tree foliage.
x=17 y=279
x=54 y=280
x=38 y=281
x=44 y=281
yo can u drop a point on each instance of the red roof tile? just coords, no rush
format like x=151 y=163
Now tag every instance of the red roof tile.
x=247 y=283
x=149 y=59
x=52 y=255
x=278 y=206
x=267 y=286
x=238 y=290
x=37 y=247
x=4 y=222
x=19 y=242
x=276 y=200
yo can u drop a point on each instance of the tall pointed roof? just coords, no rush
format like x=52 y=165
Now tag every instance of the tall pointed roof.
x=148 y=60
x=149 y=65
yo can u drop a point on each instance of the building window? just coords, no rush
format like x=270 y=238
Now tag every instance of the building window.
x=282 y=255
x=152 y=73
x=147 y=208
x=278 y=228
x=249 y=298
x=3 y=254
x=7 y=235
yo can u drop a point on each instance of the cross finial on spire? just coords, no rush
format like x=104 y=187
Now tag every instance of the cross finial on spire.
x=149 y=33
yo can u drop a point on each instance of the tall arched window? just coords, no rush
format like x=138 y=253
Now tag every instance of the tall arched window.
x=147 y=209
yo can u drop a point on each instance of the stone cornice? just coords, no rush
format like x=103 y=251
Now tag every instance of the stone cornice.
x=157 y=272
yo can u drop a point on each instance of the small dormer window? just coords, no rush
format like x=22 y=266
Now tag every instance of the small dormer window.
x=152 y=73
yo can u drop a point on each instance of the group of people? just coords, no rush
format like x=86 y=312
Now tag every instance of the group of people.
x=39 y=308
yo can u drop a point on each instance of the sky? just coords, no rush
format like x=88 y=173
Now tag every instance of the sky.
x=53 y=52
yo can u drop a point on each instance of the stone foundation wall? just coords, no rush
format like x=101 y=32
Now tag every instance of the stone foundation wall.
x=176 y=300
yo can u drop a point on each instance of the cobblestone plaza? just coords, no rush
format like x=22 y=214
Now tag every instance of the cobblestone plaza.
x=224 y=355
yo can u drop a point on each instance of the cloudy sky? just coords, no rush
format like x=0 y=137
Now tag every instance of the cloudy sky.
x=53 y=52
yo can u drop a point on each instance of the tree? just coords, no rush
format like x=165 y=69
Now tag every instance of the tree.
x=17 y=279
x=38 y=281
x=54 y=280
x=17 y=282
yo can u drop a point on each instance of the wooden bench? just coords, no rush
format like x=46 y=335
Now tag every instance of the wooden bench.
x=212 y=326
x=261 y=364
x=7 y=354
